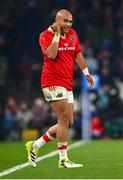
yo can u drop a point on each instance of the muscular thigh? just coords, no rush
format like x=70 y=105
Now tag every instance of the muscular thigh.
x=60 y=108
x=63 y=110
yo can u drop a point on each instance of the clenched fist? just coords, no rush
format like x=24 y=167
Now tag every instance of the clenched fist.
x=90 y=80
x=55 y=28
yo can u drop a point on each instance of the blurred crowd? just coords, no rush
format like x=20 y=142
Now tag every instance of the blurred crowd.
x=19 y=117
x=99 y=25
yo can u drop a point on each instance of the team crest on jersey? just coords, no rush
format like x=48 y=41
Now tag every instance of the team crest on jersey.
x=72 y=38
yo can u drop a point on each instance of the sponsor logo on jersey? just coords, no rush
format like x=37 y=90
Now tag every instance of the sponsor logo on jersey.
x=66 y=48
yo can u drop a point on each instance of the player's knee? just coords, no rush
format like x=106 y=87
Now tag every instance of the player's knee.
x=64 y=117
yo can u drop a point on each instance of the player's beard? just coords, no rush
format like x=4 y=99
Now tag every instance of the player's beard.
x=65 y=30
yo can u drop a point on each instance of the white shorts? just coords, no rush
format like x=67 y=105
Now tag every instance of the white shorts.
x=58 y=93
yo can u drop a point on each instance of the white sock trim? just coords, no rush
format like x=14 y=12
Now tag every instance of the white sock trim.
x=40 y=142
x=62 y=143
x=49 y=136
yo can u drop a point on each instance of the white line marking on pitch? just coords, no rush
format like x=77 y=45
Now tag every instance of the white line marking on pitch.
x=41 y=158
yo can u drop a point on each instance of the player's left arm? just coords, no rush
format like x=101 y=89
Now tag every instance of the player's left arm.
x=80 y=60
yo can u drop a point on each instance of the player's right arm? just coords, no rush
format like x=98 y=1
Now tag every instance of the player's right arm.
x=52 y=49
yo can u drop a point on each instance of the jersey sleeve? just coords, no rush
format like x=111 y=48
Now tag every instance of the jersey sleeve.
x=44 y=40
x=77 y=45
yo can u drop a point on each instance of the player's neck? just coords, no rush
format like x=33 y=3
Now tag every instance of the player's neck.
x=62 y=35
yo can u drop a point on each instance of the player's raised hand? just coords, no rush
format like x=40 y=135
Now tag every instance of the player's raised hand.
x=90 y=80
x=55 y=28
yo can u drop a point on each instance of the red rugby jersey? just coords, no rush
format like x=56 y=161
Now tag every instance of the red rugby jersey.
x=59 y=71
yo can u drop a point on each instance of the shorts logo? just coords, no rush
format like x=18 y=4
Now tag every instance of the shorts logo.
x=49 y=97
x=59 y=95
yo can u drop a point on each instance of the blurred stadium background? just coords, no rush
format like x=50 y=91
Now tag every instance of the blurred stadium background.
x=23 y=112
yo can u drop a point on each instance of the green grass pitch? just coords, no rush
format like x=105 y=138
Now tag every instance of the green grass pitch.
x=101 y=160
